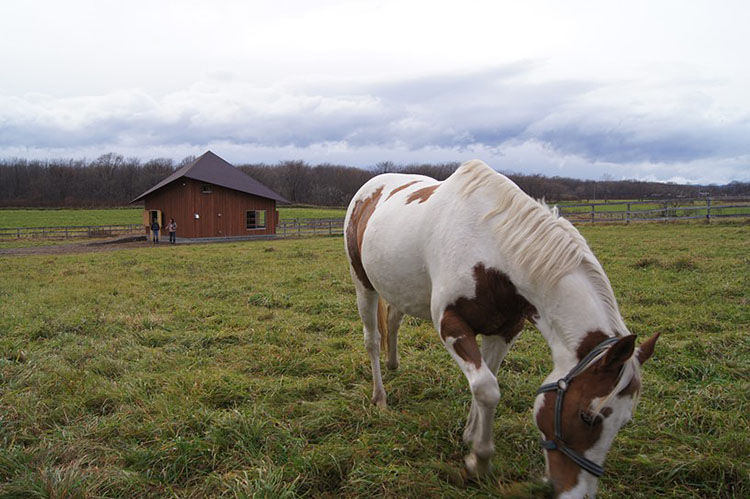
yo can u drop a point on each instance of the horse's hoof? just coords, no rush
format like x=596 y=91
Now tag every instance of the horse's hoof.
x=391 y=366
x=379 y=400
x=475 y=467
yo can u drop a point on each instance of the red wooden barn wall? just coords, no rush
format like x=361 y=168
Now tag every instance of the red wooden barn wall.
x=223 y=212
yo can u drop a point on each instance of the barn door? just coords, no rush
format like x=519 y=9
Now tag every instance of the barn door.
x=222 y=225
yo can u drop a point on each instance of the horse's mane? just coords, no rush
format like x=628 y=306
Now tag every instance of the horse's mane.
x=545 y=246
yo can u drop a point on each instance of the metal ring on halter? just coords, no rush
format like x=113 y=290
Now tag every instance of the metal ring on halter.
x=561 y=386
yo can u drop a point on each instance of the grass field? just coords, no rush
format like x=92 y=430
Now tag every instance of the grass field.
x=237 y=370
x=123 y=216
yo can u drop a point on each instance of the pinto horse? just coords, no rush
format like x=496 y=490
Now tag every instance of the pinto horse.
x=476 y=255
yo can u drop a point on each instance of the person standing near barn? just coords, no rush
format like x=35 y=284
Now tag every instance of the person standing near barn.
x=155 y=230
x=172 y=228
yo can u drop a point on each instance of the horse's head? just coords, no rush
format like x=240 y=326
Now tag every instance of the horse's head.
x=580 y=415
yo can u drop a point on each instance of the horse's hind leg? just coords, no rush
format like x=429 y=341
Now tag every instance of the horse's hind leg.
x=394 y=322
x=367 y=304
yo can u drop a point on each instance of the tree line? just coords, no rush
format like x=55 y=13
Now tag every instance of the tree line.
x=112 y=180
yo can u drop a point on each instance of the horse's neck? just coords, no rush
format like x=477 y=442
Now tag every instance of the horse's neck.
x=574 y=313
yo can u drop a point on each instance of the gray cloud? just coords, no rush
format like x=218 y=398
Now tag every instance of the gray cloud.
x=502 y=111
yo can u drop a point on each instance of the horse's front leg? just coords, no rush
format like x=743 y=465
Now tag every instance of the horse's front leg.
x=494 y=349
x=460 y=341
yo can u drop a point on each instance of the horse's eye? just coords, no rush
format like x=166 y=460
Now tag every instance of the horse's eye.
x=590 y=419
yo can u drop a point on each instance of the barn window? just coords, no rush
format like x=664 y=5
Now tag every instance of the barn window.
x=256 y=219
x=206 y=189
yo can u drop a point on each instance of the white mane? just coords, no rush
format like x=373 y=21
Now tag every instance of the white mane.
x=545 y=245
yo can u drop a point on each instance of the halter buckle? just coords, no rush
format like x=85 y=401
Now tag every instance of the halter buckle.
x=562 y=385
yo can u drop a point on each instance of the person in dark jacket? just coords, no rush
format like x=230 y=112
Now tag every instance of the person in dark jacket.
x=155 y=229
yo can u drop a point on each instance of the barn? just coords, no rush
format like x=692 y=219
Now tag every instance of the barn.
x=211 y=198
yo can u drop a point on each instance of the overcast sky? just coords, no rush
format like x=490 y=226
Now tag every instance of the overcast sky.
x=653 y=90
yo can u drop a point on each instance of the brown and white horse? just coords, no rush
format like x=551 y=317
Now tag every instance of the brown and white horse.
x=478 y=256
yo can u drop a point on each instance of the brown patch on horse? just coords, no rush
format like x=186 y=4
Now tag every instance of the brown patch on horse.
x=595 y=382
x=401 y=188
x=497 y=308
x=452 y=325
x=422 y=194
x=355 y=231
x=589 y=342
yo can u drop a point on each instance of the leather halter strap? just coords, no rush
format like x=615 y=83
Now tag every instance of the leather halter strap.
x=561 y=386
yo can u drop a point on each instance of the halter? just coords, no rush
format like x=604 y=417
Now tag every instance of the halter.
x=561 y=387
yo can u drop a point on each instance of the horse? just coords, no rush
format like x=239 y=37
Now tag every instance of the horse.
x=477 y=256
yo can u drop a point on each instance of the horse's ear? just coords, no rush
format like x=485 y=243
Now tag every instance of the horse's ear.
x=619 y=352
x=646 y=350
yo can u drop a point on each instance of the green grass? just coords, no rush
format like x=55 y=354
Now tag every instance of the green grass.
x=292 y=212
x=237 y=370
x=69 y=217
x=123 y=216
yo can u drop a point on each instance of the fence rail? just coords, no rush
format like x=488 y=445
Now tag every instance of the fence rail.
x=653 y=211
x=300 y=227
x=68 y=232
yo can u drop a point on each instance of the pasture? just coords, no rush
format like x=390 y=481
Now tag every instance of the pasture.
x=10 y=217
x=238 y=370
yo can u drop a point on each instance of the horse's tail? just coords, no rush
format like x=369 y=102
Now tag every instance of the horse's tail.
x=383 y=323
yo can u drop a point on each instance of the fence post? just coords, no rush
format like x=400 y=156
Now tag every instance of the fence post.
x=299 y=227
x=627 y=215
x=708 y=210
x=592 y=213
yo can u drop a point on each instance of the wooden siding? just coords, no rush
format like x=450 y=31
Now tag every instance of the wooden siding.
x=223 y=212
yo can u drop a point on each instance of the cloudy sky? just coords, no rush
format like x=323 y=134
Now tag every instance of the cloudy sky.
x=656 y=90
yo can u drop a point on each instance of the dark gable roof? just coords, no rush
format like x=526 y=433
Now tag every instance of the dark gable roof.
x=211 y=169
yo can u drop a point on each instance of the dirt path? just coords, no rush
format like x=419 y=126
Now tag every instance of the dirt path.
x=70 y=248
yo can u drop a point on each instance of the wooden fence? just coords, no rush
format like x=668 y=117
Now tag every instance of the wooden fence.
x=300 y=227
x=68 y=232
x=653 y=211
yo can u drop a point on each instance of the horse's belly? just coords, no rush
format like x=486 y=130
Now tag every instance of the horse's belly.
x=409 y=299
x=397 y=271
